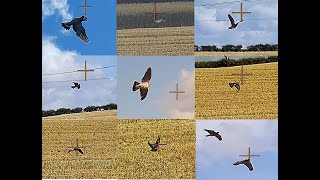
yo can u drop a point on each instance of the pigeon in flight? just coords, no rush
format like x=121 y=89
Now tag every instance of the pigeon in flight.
x=144 y=85
x=245 y=162
x=156 y=146
x=213 y=133
x=76 y=149
x=76 y=85
x=226 y=57
x=159 y=21
x=76 y=24
x=235 y=84
x=233 y=25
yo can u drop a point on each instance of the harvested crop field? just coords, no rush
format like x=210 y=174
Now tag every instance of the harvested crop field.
x=96 y=131
x=176 y=160
x=257 y=98
x=170 y=41
x=116 y=149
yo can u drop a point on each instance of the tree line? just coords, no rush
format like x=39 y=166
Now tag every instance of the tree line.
x=78 y=110
x=225 y=62
x=148 y=1
x=235 y=48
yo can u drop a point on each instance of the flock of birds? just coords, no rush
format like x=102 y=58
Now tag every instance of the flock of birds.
x=156 y=146
x=245 y=162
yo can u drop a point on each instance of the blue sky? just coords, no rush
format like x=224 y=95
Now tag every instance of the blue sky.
x=159 y=103
x=249 y=32
x=214 y=158
x=100 y=27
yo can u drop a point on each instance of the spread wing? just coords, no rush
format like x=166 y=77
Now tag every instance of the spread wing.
x=209 y=131
x=219 y=137
x=81 y=32
x=80 y=151
x=237 y=85
x=158 y=140
x=249 y=165
x=231 y=19
x=143 y=93
x=147 y=75
x=150 y=145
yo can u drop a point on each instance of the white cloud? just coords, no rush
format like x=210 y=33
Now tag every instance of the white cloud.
x=237 y=135
x=60 y=94
x=184 y=107
x=247 y=33
x=50 y=7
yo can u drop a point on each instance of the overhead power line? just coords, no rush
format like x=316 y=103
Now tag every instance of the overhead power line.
x=76 y=71
x=229 y=2
x=75 y=80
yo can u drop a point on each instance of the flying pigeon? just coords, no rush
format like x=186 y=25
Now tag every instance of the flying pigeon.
x=156 y=146
x=245 y=162
x=159 y=21
x=233 y=25
x=226 y=57
x=76 y=24
x=76 y=85
x=144 y=85
x=213 y=133
x=235 y=84
x=76 y=149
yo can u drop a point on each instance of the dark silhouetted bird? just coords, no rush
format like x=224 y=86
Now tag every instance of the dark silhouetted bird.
x=144 y=85
x=245 y=162
x=76 y=85
x=76 y=149
x=156 y=146
x=233 y=25
x=76 y=24
x=226 y=57
x=235 y=84
x=213 y=133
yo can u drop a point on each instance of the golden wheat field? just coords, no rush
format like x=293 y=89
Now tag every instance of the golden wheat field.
x=116 y=148
x=250 y=53
x=176 y=160
x=96 y=131
x=257 y=98
x=171 y=41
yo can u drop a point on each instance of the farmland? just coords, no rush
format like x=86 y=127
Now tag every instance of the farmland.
x=244 y=53
x=176 y=160
x=169 y=41
x=116 y=148
x=176 y=14
x=257 y=98
x=96 y=131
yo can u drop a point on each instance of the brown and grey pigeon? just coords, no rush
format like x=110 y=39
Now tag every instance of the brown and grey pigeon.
x=144 y=85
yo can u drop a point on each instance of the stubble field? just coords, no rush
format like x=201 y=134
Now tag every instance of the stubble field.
x=116 y=148
x=170 y=41
x=257 y=98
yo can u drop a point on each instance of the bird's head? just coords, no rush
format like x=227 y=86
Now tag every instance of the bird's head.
x=84 y=18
